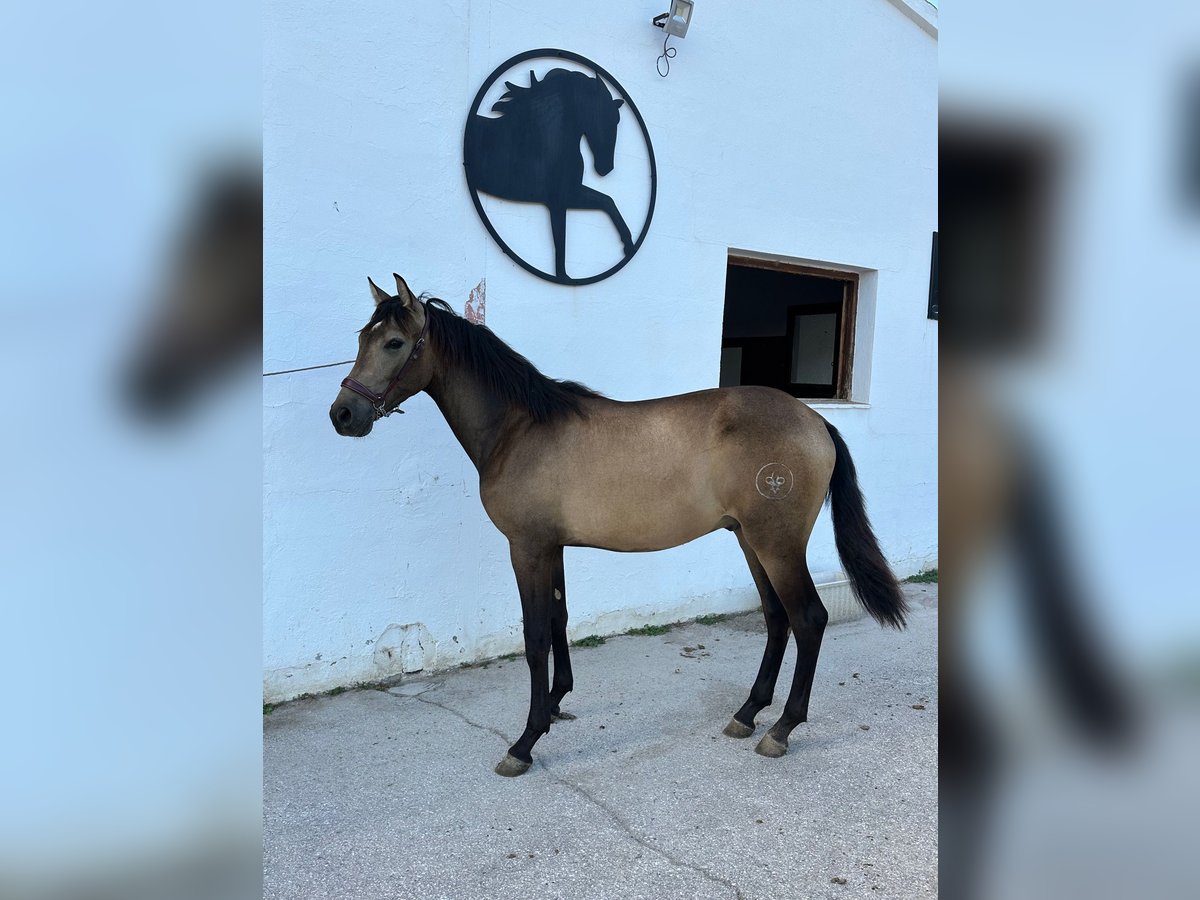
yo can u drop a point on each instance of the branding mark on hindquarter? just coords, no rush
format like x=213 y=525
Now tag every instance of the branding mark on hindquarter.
x=774 y=481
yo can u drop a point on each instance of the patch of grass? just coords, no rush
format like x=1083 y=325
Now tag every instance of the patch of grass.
x=592 y=640
x=929 y=576
x=649 y=630
x=712 y=618
x=378 y=685
x=381 y=685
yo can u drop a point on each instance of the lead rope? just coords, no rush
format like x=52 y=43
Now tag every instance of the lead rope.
x=344 y=362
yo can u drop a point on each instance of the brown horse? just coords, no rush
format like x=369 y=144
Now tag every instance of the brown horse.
x=561 y=466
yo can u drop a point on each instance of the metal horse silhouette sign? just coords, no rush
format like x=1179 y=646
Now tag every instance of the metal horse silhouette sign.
x=529 y=151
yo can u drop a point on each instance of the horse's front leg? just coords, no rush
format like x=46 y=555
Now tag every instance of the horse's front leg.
x=563 y=680
x=534 y=567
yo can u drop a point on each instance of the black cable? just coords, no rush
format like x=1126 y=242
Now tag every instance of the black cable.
x=668 y=54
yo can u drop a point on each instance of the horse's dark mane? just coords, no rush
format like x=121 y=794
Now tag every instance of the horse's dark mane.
x=517 y=96
x=504 y=371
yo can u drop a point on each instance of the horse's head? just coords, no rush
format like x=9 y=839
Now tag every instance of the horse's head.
x=600 y=124
x=391 y=364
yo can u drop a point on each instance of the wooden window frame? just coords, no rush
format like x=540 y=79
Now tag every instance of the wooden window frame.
x=848 y=320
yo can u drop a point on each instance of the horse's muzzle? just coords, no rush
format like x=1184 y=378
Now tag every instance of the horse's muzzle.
x=350 y=422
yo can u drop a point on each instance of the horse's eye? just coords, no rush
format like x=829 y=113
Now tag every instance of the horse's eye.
x=394 y=344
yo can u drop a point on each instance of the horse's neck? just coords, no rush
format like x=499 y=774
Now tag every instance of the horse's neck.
x=478 y=419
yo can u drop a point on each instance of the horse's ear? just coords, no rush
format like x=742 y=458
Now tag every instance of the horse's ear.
x=618 y=102
x=403 y=294
x=378 y=294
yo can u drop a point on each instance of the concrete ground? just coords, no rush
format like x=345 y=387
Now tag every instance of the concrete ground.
x=382 y=794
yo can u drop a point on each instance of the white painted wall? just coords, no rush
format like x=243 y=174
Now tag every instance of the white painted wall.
x=812 y=135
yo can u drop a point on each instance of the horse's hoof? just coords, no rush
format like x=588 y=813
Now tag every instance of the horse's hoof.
x=511 y=767
x=769 y=746
x=561 y=716
x=736 y=729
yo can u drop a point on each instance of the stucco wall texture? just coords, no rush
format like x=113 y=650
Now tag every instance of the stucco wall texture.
x=808 y=133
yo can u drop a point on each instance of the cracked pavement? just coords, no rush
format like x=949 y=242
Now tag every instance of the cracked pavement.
x=391 y=793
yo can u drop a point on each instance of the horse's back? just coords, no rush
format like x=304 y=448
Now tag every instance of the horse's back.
x=732 y=421
x=756 y=418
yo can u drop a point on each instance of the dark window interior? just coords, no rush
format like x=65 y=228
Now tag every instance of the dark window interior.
x=787 y=328
x=996 y=187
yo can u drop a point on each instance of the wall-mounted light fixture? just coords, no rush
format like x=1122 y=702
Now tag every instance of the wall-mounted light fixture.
x=675 y=23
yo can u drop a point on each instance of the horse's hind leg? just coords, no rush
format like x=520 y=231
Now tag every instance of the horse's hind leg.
x=808 y=618
x=763 y=691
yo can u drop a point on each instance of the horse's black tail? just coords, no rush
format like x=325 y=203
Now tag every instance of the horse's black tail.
x=857 y=545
